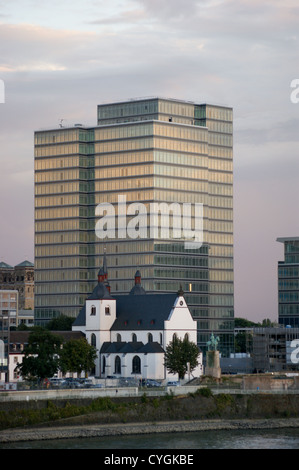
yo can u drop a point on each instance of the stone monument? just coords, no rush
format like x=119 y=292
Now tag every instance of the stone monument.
x=212 y=358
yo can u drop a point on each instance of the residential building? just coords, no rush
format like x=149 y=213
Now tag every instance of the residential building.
x=288 y=283
x=147 y=151
x=17 y=343
x=8 y=319
x=20 y=278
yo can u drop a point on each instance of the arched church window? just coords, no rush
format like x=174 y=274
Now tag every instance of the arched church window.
x=93 y=340
x=118 y=338
x=117 y=365
x=134 y=338
x=150 y=338
x=93 y=310
x=136 y=365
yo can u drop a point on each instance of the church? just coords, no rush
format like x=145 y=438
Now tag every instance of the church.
x=132 y=331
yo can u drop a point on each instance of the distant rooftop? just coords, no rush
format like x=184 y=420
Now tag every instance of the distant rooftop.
x=287 y=239
x=5 y=265
x=25 y=264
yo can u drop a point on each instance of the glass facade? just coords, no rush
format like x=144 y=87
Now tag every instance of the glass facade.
x=288 y=283
x=150 y=152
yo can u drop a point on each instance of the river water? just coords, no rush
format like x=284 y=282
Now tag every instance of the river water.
x=252 y=439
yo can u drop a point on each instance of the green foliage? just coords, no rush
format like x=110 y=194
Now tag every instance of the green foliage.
x=77 y=355
x=204 y=392
x=41 y=355
x=244 y=323
x=61 y=323
x=178 y=354
x=223 y=400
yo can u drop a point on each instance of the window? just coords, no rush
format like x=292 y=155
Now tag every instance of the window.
x=134 y=338
x=136 y=365
x=150 y=338
x=104 y=365
x=93 y=310
x=107 y=310
x=117 y=365
x=118 y=338
x=93 y=340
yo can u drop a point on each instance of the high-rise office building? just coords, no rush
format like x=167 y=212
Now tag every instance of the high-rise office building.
x=144 y=151
x=288 y=283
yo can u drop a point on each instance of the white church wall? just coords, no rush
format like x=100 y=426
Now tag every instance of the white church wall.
x=180 y=322
x=151 y=366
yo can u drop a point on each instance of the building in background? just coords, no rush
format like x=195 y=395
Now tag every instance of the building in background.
x=275 y=349
x=8 y=319
x=149 y=151
x=20 y=278
x=288 y=283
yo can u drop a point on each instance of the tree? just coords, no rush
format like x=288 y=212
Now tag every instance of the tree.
x=77 y=355
x=61 y=323
x=178 y=354
x=41 y=355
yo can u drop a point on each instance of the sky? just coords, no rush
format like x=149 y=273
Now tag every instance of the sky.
x=59 y=59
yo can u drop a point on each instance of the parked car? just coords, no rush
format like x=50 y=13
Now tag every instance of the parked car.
x=152 y=383
x=173 y=383
x=95 y=386
x=73 y=383
x=55 y=382
x=149 y=383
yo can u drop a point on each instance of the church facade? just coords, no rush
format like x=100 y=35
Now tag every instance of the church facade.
x=131 y=332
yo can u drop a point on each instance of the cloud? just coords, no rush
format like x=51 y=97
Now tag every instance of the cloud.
x=61 y=59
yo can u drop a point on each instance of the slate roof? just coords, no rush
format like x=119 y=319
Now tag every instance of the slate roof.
x=131 y=347
x=21 y=337
x=100 y=292
x=137 y=312
x=137 y=290
x=81 y=318
x=143 y=312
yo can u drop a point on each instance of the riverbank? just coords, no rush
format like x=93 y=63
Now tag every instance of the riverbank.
x=100 y=430
x=199 y=411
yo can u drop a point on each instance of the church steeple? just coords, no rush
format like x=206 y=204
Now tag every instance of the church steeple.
x=103 y=273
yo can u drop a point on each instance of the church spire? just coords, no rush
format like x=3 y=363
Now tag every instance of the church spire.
x=103 y=272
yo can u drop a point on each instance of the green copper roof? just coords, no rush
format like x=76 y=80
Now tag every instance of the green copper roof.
x=5 y=265
x=25 y=264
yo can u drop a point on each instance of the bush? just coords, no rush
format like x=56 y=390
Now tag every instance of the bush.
x=205 y=392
